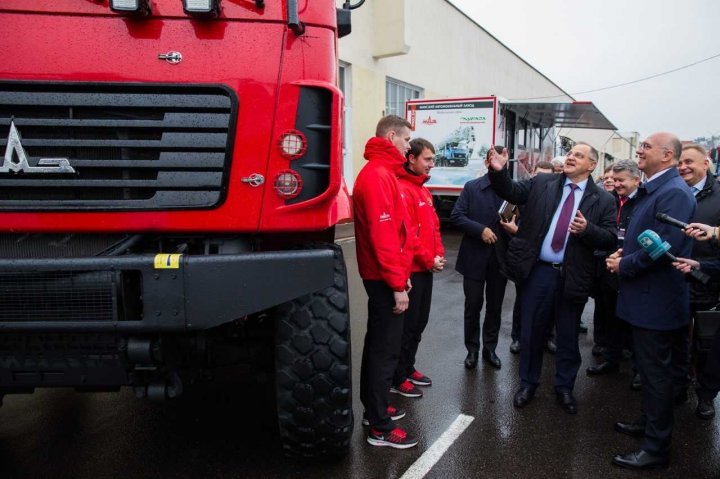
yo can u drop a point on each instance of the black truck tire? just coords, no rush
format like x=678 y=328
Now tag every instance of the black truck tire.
x=313 y=372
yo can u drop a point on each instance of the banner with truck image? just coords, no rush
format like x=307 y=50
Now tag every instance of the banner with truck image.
x=462 y=131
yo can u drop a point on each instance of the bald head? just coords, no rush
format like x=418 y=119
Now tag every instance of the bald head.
x=670 y=142
x=658 y=152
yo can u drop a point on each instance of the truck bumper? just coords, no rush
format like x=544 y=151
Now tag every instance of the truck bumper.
x=161 y=293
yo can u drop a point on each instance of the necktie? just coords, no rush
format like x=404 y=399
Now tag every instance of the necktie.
x=561 y=228
x=623 y=200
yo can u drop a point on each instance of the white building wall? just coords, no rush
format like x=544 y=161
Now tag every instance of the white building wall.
x=430 y=44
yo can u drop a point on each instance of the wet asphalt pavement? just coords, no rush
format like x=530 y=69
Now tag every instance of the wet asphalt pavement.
x=230 y=433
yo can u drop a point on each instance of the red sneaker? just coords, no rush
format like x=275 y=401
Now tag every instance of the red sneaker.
x=397 y=438
x=407 y=389
x=419 y=379
x=395 y=413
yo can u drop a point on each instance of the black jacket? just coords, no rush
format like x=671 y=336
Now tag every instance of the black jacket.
x=708 y=212
x=476 y=209
x=541 y=196
x=608 y=280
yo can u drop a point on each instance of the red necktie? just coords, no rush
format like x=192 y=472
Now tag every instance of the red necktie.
x=623 y=200
x=561 y=228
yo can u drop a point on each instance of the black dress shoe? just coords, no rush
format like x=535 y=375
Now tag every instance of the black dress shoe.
x=636 y=383
x=705 y=409
x=523 y=397
x=641 y=460
x=471 y=360
x=567 y=402
x=633 y=429
x=491 y=358
x=515 y=347
x=550 y=346
x=603 y=368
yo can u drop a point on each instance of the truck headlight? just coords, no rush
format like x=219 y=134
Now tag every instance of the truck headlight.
x=136 y=7
x=210 y=8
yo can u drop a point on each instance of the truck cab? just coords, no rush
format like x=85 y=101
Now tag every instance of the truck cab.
x=171 y=184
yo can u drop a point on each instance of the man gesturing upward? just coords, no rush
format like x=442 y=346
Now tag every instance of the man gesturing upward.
x=566 y=218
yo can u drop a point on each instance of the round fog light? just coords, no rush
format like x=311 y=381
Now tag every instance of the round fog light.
x=293 y=144
x=288 y=184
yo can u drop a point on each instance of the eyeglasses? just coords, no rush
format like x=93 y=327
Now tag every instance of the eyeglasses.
x=644 y=146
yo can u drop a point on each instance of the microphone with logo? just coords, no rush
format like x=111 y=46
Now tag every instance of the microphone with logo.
x=655 y=247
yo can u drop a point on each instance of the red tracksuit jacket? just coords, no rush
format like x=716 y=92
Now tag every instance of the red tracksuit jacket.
x=382 y=230
x=419 y=203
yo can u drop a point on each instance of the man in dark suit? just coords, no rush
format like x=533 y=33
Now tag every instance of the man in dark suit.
x=708 y=370
x=694 y=168
x=654 y=298
x=566 y=218
x=626 y=177
x=476 y=215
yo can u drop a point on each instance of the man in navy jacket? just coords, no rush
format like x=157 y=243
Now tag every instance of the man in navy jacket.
x=476 y=215
x=654 y=297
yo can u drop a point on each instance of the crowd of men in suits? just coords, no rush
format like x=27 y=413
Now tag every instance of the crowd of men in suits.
x=572 y=239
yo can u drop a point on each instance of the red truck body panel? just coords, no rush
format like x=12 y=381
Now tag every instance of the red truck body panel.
x=248 y=50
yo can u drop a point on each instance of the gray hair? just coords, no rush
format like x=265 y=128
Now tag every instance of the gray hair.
x=627 y=165
x=593 y=152
x=676 y=148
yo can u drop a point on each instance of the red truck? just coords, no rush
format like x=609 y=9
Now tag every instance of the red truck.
x=170 y=188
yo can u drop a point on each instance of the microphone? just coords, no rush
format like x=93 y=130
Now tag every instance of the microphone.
x=655 y=247
x=669 y=220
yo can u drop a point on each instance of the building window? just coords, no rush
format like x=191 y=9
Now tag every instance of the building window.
x=397 y=93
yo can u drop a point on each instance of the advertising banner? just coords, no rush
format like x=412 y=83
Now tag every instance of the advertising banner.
x=462 y=131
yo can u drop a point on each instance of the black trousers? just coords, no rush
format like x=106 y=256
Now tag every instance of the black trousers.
x=616 y=334
x=681 y=362
x=601 y=317
x=493 y=290
x=543 y=298
x=708 y=369
x=416 y=318
x=655 y=354
x=515 y=331
x=380 y=353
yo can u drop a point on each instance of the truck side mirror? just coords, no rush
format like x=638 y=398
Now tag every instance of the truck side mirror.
x=344 y=26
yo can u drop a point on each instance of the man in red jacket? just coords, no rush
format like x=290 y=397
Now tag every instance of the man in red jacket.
x=384 y=242
x=428 y=258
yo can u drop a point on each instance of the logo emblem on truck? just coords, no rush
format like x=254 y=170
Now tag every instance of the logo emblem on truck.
x=44 y=165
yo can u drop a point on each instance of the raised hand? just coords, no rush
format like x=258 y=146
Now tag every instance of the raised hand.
x=497 y=160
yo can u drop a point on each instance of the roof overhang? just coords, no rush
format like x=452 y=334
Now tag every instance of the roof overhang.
x=561 y=115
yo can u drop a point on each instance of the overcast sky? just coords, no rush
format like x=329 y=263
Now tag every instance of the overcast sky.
x=585 y=45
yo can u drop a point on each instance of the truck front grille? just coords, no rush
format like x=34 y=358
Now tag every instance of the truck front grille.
x=70 y=296
x=131 y=146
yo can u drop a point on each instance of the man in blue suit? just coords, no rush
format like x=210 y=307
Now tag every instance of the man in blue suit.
x=654 y=297
x=476 y=215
